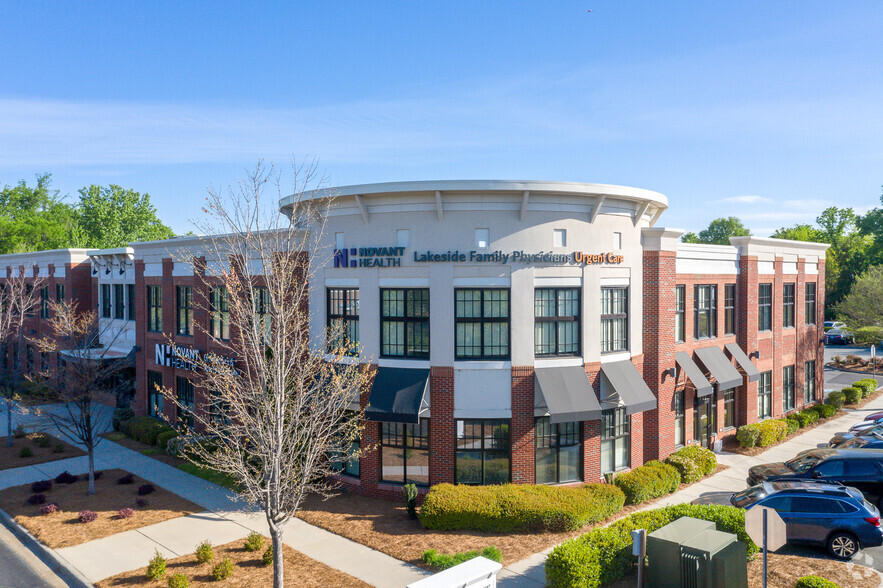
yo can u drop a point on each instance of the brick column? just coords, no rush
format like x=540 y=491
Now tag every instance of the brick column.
x=522 y=426
x=442 y=443
x=746 y=333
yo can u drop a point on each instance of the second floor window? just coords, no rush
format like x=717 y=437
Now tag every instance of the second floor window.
x=154 y=309
x=343 y=319
x=730 y=309
x=119 y=306
x=130 y=299
x=184 y=304
x=556 y=326
x=680 y=313
x=44 y=302
x=220 y=327
x=705 y=311
x=59 y=292
x=788 y=399
x=788 y=306
x=105 y=301
x=614 y=319
x=764 y=307
x=262 y=309
x=810 y=303
x=481 y=328
x=404 y=322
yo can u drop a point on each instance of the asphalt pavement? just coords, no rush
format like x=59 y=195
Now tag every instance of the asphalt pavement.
x=19 y=568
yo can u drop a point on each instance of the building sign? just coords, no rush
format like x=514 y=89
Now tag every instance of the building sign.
x=369 y=257
x=182 y=358
x=392 y=257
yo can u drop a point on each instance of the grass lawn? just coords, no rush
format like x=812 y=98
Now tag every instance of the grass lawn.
x=63 y=529
x=10 y=456
x=249 y=571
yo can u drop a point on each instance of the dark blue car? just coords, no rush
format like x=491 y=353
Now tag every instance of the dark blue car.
x=828 y=515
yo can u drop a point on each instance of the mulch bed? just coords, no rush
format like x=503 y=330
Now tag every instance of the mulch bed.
x=249 y=571
x=9 y=456
x=63 y=529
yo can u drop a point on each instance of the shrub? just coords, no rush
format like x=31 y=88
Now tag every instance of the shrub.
x=441 y=561
x=254 y=541
x=409 y=491
x=156 y=569
x=703 y=457
x=748 y=435
x=141 y=502
x=267 y=558
x=825 y=410
x=66 y=478
x=511 y=508
x=791 y=424
x=35 y=499
x=204 y=552
x=162 y=440
x=867 y=385
x=126 y=513
x=43 y=440
x=178 y=581
x=144 y=429
x=19 y=432
x=25 y=452
x=688 y=468
x=87 y=516
x=648 y=481
x=868 y=335
x=838 y=360
x=604 y=555
x=815 y=582
x=223 y=570
x=41 y=486
x=120 y=416
x=48 y=509
x=58 y=448
x=836 y=399
x=145 y=489
x=127 y=479
x=762 y=434
x=806 y=417
x=852 y=394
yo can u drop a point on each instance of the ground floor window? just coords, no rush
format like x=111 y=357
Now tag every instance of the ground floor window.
x=483 y=449
x=615 y=440
x=705 y=418
x=559 y=451
x=809 y=382
x=765 y=396
x=729 y=396
x=788 y=396
x=350 y=466
x=154 y=394
x=404 y=453
x=184 y=391
x=680 y=418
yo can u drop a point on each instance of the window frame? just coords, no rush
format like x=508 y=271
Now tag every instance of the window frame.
x=406 y=321
x=44 y=302
x=809 y=381
x=624 y=422
x=765 y=394
x=555 y=446
x=346 y=317
x=680 y=313
x=59 y=292
x=810 y=302
x=764 y=308
x=155 y=401
x=789 y=391
x=119 y=303
x=728 y=396
x=405 y=435
x=130 y=300
x=710 y=311
x=789 y=304
x=680 y=413
x=184 y=389
x=219 y=315
x=184 y=310
x=350 y=467
x=482 y=321
x=154 y=308
x=729 y=309
x=105 y=301
x=556 y=319
x=483 y=449
x=612 y=318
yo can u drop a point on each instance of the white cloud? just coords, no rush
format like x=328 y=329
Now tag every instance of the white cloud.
x=746 y=199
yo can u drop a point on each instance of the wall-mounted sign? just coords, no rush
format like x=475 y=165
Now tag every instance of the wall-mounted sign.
x=369 y=257
x=182 y=358
x=392 y=257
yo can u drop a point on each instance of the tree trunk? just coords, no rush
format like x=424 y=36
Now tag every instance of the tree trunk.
x=9 y=422
x=276 y=536
x=91 y=471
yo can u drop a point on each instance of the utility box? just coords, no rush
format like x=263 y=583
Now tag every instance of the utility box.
x=712 y=559
x=664 y=550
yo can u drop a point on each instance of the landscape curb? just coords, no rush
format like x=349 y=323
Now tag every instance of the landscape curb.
x=57 y=564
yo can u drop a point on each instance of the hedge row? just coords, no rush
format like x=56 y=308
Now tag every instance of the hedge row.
x=762 y=434
x=509 y=508
x=604 y=555
x=144 y=429
x=650 y=480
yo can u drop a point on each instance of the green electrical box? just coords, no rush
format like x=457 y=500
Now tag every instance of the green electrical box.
x=664 y=550
x=714 y=559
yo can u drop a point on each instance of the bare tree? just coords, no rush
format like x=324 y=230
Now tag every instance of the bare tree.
x=86 y=369
x=19 y=300
x=275 y=416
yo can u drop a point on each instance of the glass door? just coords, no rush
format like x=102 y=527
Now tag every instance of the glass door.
x=703 y=420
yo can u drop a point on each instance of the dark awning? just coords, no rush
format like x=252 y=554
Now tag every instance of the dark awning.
x=694 y=374
x=565 y=395
x=742 y=360
x=398 y=395
x=625 y=386
x=720 y=366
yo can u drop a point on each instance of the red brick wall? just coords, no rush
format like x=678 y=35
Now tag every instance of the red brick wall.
x=522 y=425
x=442 y=442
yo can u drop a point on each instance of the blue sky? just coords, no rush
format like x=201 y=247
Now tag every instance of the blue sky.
x=770 y=111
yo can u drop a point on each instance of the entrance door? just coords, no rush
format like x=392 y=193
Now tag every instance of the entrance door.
x=704 y=420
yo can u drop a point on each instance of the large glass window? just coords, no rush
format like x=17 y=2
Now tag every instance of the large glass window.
x=343 y=318
x=220 y=316
x=184 y=303
x=154 y=309
x=810 y=303
x=729 y=397
x=680 y=418
x=764 y=307
x=680 y=313
x=404 y=322
x=44 y=302
x=614 y=319
x=482 y=451
x=558 y=452
x=615 y=440
x=788 y=305
x=809 y=382
x=730 y=309
x=350 y=466
x=556 y=321
x=788 y=400
x=119 y=304
x=705 y=311
x=184 y=391
x=130 y=299
x=765 y=395
x=105 y=301
x=481 y=329
x=404 y=453
x=154 y=394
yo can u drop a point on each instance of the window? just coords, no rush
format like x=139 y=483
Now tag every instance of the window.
x=130 y=298
x=154 y=394
x=788 y=399
x=154 y=309
x=482 y=451
x=59 y=292
x=680 y=312
x=558 y=452
x=262 y=310
x=830 y=468
x=404 y=322
x=339 y=241
x=343 y=319
x=809 y=382
x=788 y=306
x=729 y=408
x=220 y=316
x=44 y=302
x=481 y=329
x=730 y=309
x=765 y=395
x=614 y=319
x=705 y=311
x=105 y=300
x=184 y=390
x=810 y=303
x=559 y=238
x=184 y=303
x=482 y=238
x=403 y=237
x=765 y=307
x=119 y=305
x=615 y=440
x=556 y=321
x=350 y=466
x=617 y=241
x=680 y=418
x=404 y=453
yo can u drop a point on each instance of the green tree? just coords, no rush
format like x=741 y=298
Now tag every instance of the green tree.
x=34 y=217
x=718 y=232
x=115 y=216
x=861 y=306
x=799 y=233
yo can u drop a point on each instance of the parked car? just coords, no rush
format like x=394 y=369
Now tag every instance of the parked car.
x=840 y=438
x=833 y=516
x=869 y=442
x=838 y=337
x=860 y=468
x=859 y=428
x=834 y=325
x=874 y=416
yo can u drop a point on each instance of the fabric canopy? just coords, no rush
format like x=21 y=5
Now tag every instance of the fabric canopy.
x=564 y=394
x=742 y=360
x=398 y=395
x=694 y=374
x=625 y=387
x=723 y=370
